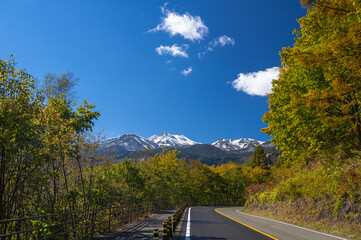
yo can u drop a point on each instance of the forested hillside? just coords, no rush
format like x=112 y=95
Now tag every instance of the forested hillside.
x=314 y=119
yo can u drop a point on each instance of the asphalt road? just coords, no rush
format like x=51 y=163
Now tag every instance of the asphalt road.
x=207 y=224
x=230 y=223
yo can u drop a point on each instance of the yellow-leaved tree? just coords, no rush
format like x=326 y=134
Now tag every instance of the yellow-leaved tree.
x=316 y=101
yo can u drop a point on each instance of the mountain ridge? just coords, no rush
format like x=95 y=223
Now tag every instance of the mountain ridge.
x=170 y=140
x=134 y=142
x=221 y=151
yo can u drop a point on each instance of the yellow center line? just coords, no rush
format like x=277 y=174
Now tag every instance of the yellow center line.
x=246 y=225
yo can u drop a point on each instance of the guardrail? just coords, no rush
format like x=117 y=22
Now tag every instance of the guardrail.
x=170 y=225
x=74 y=225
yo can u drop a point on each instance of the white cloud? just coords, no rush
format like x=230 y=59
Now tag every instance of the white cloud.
x=187 y=71
x=174 y=50
x=256 y=83
x=201 y=55
x=164 y=8
x=221 y=41
x=186 y=25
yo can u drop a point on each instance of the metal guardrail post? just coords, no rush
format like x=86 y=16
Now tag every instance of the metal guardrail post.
x=170 y=227
x=156 y=234
x=165 y=231
x=174 y=222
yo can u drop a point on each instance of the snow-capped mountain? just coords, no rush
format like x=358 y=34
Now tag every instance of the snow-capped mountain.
x=221 y=151
x=130 y=142
x=239 y=144
x=133 y=142
x=169 y=140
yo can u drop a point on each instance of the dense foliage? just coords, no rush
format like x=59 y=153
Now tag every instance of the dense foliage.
x=165 y=178
x=43 y=146
x=315 y=104
x=314 y=118
x=315 y=107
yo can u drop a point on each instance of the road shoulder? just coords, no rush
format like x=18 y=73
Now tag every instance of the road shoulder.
x=276 y=229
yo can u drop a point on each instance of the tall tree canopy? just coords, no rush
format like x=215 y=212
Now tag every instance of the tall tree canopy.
x=316 y=100
x=40 y=142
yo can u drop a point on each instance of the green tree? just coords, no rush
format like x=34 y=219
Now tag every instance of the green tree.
x=21 y=139
x=315 y=102
x=134 y=182
x=64 y=129
x=259 y=158
x=40 y=146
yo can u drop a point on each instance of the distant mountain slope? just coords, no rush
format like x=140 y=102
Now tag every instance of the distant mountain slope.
x=221 y=151
x=211 y=155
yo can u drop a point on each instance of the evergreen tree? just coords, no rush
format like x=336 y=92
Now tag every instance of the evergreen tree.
x=259 y=158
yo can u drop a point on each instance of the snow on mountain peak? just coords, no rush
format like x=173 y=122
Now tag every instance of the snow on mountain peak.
x=130 y=142
x=170 y=140
x=238 y=144
x=133 y=142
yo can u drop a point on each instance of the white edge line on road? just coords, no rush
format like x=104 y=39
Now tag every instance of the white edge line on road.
x=292 y=225
x=188 y=231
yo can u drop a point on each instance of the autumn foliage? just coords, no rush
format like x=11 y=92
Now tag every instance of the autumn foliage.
x=315 y=119
x=315 y=102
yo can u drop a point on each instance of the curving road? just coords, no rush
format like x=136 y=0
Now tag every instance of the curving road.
x=210 y=223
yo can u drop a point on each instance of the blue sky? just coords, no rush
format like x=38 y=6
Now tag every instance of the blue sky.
x=154 y=66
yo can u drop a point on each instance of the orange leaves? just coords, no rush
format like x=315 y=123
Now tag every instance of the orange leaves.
x=307 y=3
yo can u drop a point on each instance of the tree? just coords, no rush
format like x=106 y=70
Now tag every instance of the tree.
x=53 y=85
x=316 y=100
x=259 y=158
x=40 y=146
x=64 y=128
x=133 y=181
x=21 y=139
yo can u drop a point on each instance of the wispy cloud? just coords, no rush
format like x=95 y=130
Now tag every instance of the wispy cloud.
x=174 y=50
x=256 y=83
x=186 y=25
x=221 y=41
x=187 y=71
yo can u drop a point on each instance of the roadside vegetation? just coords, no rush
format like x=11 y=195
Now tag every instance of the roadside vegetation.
x=314 y=119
